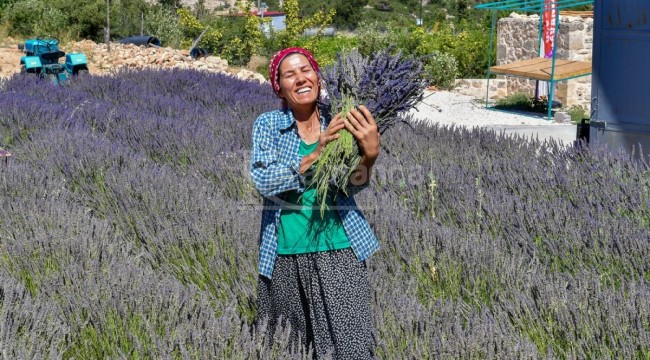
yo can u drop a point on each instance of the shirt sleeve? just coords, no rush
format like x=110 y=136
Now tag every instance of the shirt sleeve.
x=269 y=175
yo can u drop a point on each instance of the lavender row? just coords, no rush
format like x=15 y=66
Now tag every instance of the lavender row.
x=128 y=227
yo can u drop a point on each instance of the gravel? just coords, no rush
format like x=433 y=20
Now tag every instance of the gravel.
x=449 y=108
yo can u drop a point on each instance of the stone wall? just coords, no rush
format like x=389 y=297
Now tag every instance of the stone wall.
x=517 y=39
x=478 y=88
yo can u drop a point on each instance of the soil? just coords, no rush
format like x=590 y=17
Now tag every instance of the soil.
x=9 y=58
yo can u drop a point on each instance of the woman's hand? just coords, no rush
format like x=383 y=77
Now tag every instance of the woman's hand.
x=331 y=133
x=361 y=124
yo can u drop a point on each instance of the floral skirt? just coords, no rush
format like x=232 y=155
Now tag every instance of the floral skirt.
x=324 y=298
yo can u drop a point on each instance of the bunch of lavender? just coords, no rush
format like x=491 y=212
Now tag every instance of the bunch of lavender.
x=387 y=84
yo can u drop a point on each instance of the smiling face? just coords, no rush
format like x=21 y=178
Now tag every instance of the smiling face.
x=299 y=83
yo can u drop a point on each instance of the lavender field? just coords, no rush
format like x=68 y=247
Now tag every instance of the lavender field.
x=129 y=227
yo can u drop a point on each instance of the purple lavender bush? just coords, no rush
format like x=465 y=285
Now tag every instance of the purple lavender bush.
x=128 y=230
x=389 y=85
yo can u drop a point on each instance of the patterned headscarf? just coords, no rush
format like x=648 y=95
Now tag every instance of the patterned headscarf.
x=274 y=66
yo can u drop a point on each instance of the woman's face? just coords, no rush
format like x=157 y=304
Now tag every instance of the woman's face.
x=299 y=84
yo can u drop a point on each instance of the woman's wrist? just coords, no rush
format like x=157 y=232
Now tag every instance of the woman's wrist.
x=309 y=160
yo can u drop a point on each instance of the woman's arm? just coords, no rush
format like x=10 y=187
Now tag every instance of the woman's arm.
x=269 y=176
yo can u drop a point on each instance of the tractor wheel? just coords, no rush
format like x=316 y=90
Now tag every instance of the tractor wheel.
x=83 y=73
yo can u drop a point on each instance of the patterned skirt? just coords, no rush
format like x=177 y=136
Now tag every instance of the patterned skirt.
x=325 y=300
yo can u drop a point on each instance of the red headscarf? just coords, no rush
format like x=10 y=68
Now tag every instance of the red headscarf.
x=274 y=66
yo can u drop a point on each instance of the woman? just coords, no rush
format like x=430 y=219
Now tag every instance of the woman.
x=312 y=267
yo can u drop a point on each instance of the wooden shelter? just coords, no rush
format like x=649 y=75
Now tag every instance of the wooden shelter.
x=550 y=69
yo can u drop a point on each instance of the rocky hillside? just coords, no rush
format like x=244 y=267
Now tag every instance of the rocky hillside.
x=209 y=4
x=100 y=61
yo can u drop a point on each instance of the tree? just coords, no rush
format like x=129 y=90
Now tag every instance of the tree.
x=296 y=25
x=348 y=13
x=240 y=49
x=172 y=4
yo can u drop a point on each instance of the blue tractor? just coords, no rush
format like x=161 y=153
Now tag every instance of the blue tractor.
x=42 y=58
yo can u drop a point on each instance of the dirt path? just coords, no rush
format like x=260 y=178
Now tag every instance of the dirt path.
x=9 y=58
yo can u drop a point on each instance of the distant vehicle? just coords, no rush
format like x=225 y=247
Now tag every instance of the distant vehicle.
x=42 y=58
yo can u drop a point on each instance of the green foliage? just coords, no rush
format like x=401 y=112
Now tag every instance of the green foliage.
x=577 y=113
x=469 y=45
x=325 y=49
x=514 y=101
x=347 y=13
x=372 y=37
x=126 y=17
x=163 y=23
x=86 y=19
x=521 y=101
x=443 y=51
x=401 y=13
x=68 y=19
x=441 y=69
x=171 y=4
x=450 y=49
x=193 y=28
x=34 y=18
x=296 y=25
x=249 y=41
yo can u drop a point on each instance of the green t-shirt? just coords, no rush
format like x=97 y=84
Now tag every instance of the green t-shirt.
x=302 y=229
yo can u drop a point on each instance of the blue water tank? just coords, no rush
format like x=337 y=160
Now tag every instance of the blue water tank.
x=621 y=75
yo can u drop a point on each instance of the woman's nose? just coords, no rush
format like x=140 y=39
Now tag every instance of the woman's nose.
x=300 y=77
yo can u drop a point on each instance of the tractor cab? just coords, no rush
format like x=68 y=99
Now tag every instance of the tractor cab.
x=42 y=58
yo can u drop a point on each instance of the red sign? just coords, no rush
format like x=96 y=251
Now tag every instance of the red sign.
x=548 y=27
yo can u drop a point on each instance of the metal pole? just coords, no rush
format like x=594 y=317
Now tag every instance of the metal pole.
x=551 y=90
x=107 y=33
x=540 y=43
x=492 y=30
x=142 y=23
x=421 y=20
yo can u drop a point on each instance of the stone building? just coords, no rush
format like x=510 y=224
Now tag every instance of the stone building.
x=517 y=39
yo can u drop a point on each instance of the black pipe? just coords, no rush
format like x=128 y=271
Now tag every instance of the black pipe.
x=197 y=53
x=146 y=40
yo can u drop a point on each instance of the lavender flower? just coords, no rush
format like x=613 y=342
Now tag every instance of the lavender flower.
x=127 y=229
x=389 y=85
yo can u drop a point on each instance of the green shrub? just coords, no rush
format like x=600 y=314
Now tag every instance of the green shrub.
x=577 y=113
x=372 y=37
x=296 y=25
x=326 y=48
x=441 y=69
x=248 y=42
x=163 y=23
x=521 y=101
x=468 y=45
x=34 y=18
x=193 y=28
x=518 y=101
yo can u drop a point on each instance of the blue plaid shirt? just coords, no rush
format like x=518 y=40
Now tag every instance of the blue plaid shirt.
x=274 y=168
